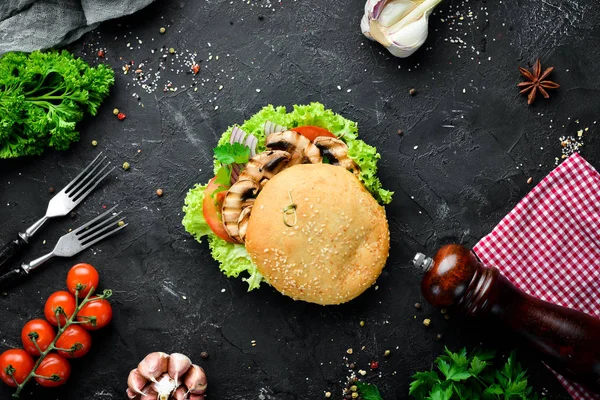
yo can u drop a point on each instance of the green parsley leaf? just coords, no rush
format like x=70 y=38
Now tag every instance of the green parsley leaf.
x=368 y=391
x=232 y=153
x=223 y=176
x=472 y=377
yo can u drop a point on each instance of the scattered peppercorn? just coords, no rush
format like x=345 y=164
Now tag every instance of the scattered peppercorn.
x=447 y=317
x=374 y=364
x=352 y=366
x=73 y=214
x=412 y=91
x=159 y=192
x=195 y=69
x=387 y=353
x=171 y=50
x=418 y=306
x=261 y=17
x=400 y=132
x=426 y=322
x=439 y=336
x=126 y=165
x=162 y=29
x=51 y=190
x=204 y=355
x=121 y=116
x=101 y=53
x=443 y=311
x=121 y=223
x=362 y=323
x=94 y=143
x=116 y=111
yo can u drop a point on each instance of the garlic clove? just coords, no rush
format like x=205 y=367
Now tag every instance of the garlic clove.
x=399 y=25
x=195 y=380
x=131 y=394
x=136 y=381
x=180 y=393
x=153 y=365
x=178 y=366
x=149 y=393
x=409 y=38
x=164 y=387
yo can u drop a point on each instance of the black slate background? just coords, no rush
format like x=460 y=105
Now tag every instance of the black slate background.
x=454 y=187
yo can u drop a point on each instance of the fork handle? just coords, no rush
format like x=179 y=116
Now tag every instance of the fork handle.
x=9 y=251
x=10 y=279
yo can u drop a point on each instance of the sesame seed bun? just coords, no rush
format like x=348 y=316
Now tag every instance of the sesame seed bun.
x=338 y=245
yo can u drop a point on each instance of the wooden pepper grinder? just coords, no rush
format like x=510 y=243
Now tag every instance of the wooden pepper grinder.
x=568 y=340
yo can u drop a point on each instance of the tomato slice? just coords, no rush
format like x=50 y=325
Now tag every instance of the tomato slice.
x=313 y=132
x=211 y=208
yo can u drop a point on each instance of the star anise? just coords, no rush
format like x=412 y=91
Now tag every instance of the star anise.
x=536 y=82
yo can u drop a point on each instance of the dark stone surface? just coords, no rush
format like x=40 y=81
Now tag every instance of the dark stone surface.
x=478 y=143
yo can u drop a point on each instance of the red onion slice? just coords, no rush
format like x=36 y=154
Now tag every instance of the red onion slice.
x=271 y=127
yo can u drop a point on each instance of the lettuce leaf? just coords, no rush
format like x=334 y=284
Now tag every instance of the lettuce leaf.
x=233 y=259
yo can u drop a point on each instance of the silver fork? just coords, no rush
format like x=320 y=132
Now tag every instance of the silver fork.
x=60 y=205
x=70 y=244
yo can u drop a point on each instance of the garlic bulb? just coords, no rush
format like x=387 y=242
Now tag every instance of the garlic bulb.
x=399 y=25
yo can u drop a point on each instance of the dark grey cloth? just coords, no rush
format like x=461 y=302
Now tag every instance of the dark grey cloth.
x=28 y=25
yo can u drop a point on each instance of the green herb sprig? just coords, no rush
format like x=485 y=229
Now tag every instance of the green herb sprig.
x=42 y=96
x=473 y=376
x=227 y=154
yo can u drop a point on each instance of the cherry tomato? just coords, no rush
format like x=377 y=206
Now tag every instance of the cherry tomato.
x=62 y=299
x=211 y=208
x=74 y=337
x=312 y=132
x=19 y=362
x=41 y=331
x=98 y=313
x=83 y=276
x=55 y=367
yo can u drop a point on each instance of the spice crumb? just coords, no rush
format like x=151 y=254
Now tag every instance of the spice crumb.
x=354 y=395
x=387 y=353
x=204 y=355
x=162 y=29
x=51 y=190
x=116 y=111
x=412 y=91
x=327 y=394
x=426 y=322
x=94 y=143
x=362 y=372
x=171 y=50
x=126 y=166
x=443 y=311
x=121 y=223
x=529 y=180
x=418 y=306
x=400 y=132
x=362 y=323
x=446 y=317
x=159 y=192
x=350 y=351
x=439 y=336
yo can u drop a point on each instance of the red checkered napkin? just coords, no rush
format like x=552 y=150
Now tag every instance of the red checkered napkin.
x=549 y=244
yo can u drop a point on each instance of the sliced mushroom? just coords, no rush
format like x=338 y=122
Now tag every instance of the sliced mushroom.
x=264 y=166
x=243 y=220
x=303 y=151
x=336 y=152
x=240 y=196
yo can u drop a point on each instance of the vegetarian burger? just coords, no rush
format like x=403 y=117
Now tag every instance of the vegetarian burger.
x=294 y=203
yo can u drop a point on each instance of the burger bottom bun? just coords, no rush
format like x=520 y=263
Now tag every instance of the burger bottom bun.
x=338 y=244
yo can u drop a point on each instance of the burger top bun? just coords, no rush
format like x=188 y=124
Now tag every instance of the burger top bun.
x=338 y=242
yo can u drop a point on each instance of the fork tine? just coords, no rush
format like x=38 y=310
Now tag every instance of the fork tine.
x=94 y=181
x=86 y=179
x=97 y=227
x=88 y=244
x=97 y=232
x=76 y=179
x=87 y=224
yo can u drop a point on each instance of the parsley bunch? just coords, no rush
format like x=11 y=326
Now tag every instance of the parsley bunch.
x=227 y=155
x=472 y=377
x=42 y=96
